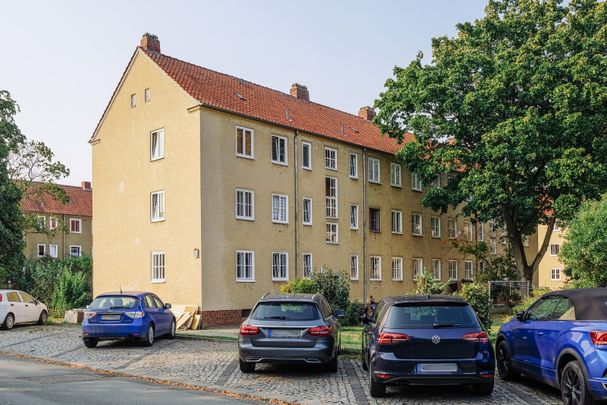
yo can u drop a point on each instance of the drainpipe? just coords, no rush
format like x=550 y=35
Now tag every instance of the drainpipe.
x=63 y=232
x=296 y=202
x=364 y=174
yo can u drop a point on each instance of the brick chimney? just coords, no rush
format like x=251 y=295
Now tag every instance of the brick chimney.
x=366 y=113
x=300 y=91
x=150 y=42
x=86 y=185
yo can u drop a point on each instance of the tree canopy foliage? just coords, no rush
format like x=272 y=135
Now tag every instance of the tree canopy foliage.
x=512 y=112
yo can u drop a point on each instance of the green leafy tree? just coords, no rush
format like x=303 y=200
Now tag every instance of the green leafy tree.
x=11 y=220
x=477 y=295
x=513 y=113
x=584 y=252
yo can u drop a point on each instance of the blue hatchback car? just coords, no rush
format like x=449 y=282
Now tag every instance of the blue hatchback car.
x=560 y=340
x=430 y=339
x=128 y=315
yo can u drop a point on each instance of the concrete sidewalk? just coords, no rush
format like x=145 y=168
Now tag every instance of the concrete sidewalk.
x=227 y=333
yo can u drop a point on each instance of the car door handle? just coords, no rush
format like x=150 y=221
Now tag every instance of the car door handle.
x=12 y=305
x=539 y=333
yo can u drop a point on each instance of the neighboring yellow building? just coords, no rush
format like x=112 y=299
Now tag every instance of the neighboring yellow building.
x=550 y=272
x=66 y=228
x=212 y=190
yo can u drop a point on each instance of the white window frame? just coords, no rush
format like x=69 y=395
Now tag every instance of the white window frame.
x=329 y=159
x=50 y=251
x=558 y=249
x=43 y=250
x=396 y=178
x=353 y=173
x=469 y=230
x=399 y=223
x=244 y=142
x=481 y=232
x=76 y=220
x=421 y=229
x=133 y=100
x=278 y=219
x=416 y=183
x=452 y=267
x=41 y=222
x=147 y=95
x=329 y=231
x=481 y=266
x=433 y=221
x=79 y=250
x=454 y=229
x=244 y=192
x=354 y=267
x=303 y=265
x=157 y=268
x=468 y=272
x=286 y=151
x=309 y=211
x=331 y=202
x=436 y=269
x=53 y=223
x=375 y=266
x=354 y=216
x=374 y=170
x=159 y=152
x=308 y=146
x=554 y=271
x=245 y=253
x=417 y=266
x=161 y=207
x=397 y=269
x=286 y=266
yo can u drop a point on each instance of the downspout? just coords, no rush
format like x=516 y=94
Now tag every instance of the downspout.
x=364 y=174
x=296 y=202
x=63 y=232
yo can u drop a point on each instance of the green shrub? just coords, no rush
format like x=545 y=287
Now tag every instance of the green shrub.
x=426 y=284
x=72 y=291
x=526 y=303
x=335 y=286
x=300 y=286
x=352 y=314
x=477 y=295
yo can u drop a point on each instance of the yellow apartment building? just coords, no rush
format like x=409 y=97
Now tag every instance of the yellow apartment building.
x=212 y=190
x=550 y=272
x=68 y=227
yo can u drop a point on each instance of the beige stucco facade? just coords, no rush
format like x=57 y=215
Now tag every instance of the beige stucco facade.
x=200 y=234
x=550 y=271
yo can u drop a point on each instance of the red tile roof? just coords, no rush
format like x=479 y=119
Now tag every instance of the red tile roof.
x=80 y=204
x=229 y=93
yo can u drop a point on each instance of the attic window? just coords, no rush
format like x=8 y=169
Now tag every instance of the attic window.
x=240 y=96
x=147 y=95
x=133 y=100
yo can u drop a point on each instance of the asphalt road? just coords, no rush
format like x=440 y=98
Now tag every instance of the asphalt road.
x=30 y=382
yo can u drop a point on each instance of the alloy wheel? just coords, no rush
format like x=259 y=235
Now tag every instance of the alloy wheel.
x=10 y=321
x=571 y=387
x=151 y=334
x=502 y=361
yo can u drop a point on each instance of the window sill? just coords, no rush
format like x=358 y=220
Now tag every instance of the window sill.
x=245 y=219
x=397 y=279
x=416 y=190
x=280 y=163
x=252 y=157
x=396 y=233
x=375 y=279
x=280 y=280
x=417 y=234
x=436 y=237
x=354 y=178
x=307 y=224
x=245 y=281
x=157 y=220
x=396 y=186
x=307 y=168
x=158 y=281
x=354 y=229
x=331 y=243
x=374 y=182
x=280 y=222
x=154 y=159
x=354 y=279
x=331 y=168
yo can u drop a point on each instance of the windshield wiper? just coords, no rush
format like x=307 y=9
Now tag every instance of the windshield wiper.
x=444 y=325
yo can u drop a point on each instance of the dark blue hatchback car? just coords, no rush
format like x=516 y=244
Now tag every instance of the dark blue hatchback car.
x=426 y=340
x=560 y=340
x=134 y=315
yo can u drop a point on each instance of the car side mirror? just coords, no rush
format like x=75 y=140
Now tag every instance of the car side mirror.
x=167 y=306
x=339 y=313
x=520 y=316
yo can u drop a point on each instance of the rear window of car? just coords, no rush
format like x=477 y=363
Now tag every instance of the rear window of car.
x=439 y=315
x=114 y=302
x=286 y=311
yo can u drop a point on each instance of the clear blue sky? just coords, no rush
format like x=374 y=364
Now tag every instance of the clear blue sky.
x=62 y=60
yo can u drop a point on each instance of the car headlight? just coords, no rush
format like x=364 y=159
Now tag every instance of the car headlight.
x=135 y=314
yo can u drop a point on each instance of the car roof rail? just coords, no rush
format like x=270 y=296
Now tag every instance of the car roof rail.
x=265 y=295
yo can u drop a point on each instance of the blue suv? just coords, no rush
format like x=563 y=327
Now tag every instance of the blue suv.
x=560 y=340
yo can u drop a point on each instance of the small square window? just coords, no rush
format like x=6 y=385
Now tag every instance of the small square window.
x=75 y=251
x=41 y=250
x=555 y=274
x=555 y=248
x=75 y=225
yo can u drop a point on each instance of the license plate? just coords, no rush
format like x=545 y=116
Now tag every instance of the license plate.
x=436 y=368
x=111 y=317
x=283 y=333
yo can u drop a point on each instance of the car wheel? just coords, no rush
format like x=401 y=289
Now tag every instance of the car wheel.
x=331 y=366
x=171 y=334
x=246 y=367
x=377 y=390
x=574 y=388
x=504 y=362
x=43 y=318
x=148 y=340
x=9 y=322
x=483 y=388
x=90 y=342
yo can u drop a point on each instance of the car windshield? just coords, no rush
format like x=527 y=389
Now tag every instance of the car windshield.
x=286 y=311
x=114 y=302
x=439 y=315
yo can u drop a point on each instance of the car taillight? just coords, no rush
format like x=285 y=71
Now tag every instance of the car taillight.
x=135 y=314
x=320 y=331
x=387 y=338
x=0 y=297
x=599 y=338
x=89 y=314
x=478 y=337
x=248 y=330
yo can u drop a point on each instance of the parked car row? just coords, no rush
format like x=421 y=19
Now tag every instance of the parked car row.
x=560 y=340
